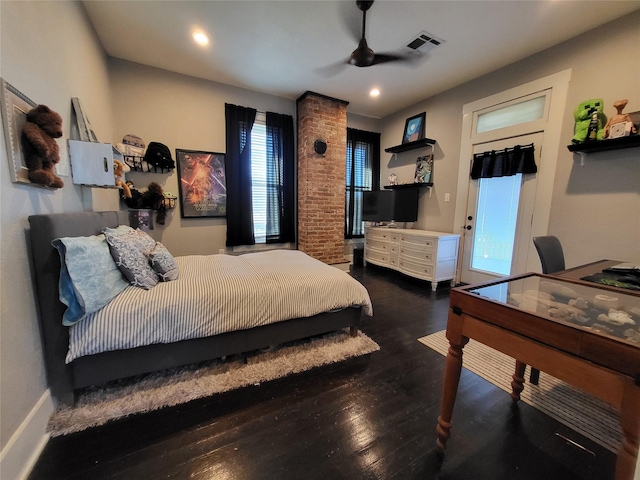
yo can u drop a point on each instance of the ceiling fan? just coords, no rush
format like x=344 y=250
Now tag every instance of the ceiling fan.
x=363 y=56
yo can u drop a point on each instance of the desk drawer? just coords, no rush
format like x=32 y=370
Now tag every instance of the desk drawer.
x=418 y=242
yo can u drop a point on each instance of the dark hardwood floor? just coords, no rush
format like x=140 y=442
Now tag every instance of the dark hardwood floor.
x=371 y=417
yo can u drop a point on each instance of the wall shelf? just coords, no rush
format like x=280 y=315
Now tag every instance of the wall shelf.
x=405 y=147
x=604 y=145
x=408 y=185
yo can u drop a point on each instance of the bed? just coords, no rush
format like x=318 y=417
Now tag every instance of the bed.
x=70 y=368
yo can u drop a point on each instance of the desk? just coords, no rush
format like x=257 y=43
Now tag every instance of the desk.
x=530 y=317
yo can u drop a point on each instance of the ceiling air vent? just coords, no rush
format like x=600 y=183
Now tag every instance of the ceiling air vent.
x=424 y=42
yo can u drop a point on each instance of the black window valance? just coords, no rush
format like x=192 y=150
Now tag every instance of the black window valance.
x=504 y=163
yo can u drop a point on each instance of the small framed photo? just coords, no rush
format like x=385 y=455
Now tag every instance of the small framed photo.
x=424 y=169
x=15 y=106
x=202 y=183
x=414 y=128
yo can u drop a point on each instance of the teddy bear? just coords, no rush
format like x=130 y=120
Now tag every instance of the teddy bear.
x=119 y=169
x=41 y=152
x=153 y=199
x=583 y=115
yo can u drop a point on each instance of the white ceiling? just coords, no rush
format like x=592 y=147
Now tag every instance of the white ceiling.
x=288 y=47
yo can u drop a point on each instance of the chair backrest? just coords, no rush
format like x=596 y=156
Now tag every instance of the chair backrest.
x=550 y=251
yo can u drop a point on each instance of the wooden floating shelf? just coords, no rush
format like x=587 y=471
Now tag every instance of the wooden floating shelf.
x=408 y=185
x=405 y=147
x=604 y=145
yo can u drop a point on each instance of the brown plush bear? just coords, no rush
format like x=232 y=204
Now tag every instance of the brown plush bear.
x=41 y=152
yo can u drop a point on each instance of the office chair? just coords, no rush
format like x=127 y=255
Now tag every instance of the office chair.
x=552 y=259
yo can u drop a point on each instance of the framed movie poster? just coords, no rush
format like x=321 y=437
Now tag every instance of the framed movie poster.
x=202 y=183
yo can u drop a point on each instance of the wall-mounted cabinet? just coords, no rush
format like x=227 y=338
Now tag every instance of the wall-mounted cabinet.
x=91 y=163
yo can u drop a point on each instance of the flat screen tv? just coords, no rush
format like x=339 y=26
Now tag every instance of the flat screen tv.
x=390 y=205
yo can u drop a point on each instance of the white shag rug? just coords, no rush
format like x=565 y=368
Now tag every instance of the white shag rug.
x=97 y=406
x=577 y=410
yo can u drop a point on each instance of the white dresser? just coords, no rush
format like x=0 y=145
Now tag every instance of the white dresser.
x=431 y=256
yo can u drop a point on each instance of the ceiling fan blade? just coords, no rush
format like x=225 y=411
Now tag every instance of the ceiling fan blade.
x=333 y=69
x=409 y=59
x=351 y=20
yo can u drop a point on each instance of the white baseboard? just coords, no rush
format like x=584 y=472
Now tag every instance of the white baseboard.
x=24 y=447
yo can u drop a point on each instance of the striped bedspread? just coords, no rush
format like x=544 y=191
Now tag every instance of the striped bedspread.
x=216 y=294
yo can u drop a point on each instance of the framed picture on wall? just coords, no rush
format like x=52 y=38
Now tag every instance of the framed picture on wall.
x=202 y=183
x=15 y=106
x=414 y=128
x=424 y=169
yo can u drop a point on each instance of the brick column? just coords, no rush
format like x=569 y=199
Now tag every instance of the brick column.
x=321 y=178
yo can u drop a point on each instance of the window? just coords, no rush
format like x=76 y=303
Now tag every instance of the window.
x=260 y=169
x=362 y=174
x=259 y=177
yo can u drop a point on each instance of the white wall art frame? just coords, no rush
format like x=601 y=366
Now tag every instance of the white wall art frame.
x=15 y=106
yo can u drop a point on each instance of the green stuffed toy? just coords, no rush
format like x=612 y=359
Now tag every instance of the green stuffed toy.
x=582 y=115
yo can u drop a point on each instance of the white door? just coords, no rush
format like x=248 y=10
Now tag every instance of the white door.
x=497 y=233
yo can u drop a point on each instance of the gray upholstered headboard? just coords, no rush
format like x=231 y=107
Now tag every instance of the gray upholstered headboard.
x=46 y=270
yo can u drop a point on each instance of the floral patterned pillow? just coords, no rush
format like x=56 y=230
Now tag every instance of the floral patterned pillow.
x=163 y=263
x=131 y=251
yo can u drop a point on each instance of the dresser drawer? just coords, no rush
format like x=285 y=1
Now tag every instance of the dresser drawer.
x=377 y=245
x=417 y=255
x=415 y=269
x=418 y=242
x=375 y=256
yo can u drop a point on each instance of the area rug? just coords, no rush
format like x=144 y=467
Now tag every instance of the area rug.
x=577 y=410
x=97 y=406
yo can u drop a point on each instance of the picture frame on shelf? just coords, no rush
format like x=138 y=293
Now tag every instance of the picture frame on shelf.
x=15 y=106
x=424 y=169
x=202 y=183
x=414 y=128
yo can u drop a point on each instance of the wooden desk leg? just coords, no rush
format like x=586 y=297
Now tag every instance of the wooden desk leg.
x=517 y=385
x=452 y=369
x=630 y=421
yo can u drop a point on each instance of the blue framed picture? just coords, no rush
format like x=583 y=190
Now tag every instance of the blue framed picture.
x=414 y=128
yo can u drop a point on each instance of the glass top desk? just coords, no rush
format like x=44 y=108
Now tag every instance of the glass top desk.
x=584 y=334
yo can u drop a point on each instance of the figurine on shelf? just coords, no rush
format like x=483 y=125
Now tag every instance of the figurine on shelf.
x=583 y=115
x=620 y=118
x=393 y=179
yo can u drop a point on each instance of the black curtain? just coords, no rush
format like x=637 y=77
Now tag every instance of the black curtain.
x=281 y=201
x=239 y=122
x=504 y=163
x=362 y=174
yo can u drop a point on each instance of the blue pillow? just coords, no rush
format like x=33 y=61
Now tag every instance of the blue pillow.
x=89 y=278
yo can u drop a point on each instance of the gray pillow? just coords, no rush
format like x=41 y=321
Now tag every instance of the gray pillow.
x=130 y=251
x=163 y=263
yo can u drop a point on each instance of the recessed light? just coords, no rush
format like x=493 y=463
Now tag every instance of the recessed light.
x=201 y=38
x=374 y=92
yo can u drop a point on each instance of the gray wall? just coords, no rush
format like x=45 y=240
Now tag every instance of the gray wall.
x=595 y=209
x=49 y=53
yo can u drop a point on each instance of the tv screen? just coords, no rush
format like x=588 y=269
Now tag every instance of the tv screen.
x=377 y=206
x=405 y=205
x=386 y=205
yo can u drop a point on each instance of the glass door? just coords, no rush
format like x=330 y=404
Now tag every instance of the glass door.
x=499 y=215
